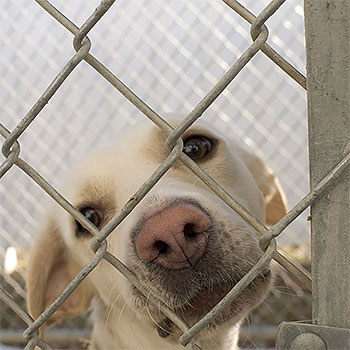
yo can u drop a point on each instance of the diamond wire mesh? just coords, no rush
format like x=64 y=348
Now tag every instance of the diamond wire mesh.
x=144 y=73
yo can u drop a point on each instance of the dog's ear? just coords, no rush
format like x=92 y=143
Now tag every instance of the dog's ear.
x=51 y=267
x=268 y=184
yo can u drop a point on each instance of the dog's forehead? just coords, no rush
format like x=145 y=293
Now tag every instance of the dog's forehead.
x=151 y=139
x=145 y=133
x=135 y=155
x=145 y=141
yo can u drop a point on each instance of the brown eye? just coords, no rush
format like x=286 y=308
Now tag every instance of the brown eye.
x=92 y=215
x=197 y=147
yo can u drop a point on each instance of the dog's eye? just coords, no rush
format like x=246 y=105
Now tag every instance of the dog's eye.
x=197 y=147
x=92 y=215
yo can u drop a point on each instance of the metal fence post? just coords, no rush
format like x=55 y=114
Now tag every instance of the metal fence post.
x=328 y=44
x=328 y=82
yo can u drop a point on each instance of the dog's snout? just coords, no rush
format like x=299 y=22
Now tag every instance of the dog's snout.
x=175 y=237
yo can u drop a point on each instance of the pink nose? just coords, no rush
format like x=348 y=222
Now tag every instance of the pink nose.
x=176 y=237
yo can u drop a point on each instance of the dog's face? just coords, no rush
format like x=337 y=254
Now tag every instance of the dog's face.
x=186 y=246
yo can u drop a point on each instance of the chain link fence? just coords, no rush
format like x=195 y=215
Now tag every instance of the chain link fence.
x=177 y=56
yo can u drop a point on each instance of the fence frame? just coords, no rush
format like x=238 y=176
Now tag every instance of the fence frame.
x=322 y=173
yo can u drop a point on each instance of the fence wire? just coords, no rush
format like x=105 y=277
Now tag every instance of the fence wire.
x=82 y=44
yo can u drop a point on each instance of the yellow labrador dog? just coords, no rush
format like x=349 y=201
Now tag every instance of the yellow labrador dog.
x=187 y=247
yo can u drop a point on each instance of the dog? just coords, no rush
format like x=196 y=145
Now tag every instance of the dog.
x=185 y=245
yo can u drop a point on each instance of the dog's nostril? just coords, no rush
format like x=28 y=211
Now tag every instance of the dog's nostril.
x=266 y=273
x=189 y=231
x=161 y=246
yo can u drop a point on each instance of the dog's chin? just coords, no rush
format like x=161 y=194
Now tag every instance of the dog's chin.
x=196 y=307
x=207 y=299
x=204 y=301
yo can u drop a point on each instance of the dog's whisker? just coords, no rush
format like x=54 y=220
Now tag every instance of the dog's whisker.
x=110 y=309
x=120 y=314
x=156 y=323
x=159 y=326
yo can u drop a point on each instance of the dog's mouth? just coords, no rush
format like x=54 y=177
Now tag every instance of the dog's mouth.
x=206 y=299
x=203 y=302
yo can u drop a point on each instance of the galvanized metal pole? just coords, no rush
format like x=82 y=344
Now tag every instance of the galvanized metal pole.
x=328 y=83
x=327 y=27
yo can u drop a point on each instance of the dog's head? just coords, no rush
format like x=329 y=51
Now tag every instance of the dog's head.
x=186 y=246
